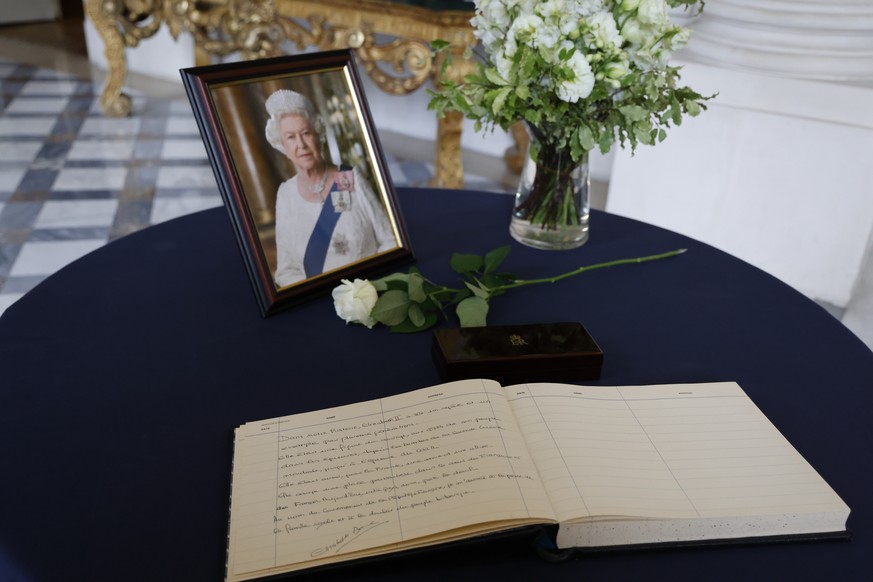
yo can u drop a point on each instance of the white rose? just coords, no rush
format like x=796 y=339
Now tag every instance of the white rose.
x=354 y=301
x=524 y=29
x=653 y=12
x=546 y=37
x=490 y=20
x=523 y=6
x=553 y=10
x=632 y=32
x=580 y=86
x=629 y=5
x=498 y=16
x=588 y=7
x=680 y=39
x=617 y=69
x=604 y=28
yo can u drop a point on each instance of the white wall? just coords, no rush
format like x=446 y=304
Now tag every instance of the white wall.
x=160 y=56
x=778 y=172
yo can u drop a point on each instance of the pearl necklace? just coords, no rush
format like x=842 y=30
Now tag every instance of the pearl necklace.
x=319 y=186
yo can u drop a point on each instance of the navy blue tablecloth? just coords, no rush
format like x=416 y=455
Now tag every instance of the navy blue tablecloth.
x=123 y=375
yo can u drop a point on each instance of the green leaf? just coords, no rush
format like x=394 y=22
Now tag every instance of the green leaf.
x=416 y=288
x=416 y=315
x=382 y=284
x=576 y=150
x=586 y=137
x=391 y=307
x=675 y=111
x=494 y=258
x=492 y=75
x=634 y=112
x=645 y=137
x=406 y=326
x=606 y=141
x=462 y=263
x=472 y=312
x=478 y=290
x=493 y=281
x=461 y=295
x=500 y=99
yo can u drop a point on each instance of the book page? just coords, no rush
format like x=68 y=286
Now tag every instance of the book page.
x=673 y=451
x=314 y=486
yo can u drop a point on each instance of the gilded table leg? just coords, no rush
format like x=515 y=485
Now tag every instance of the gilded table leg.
x=515 y=155
x=101 y=13
x=449 y=162
x=449 y=172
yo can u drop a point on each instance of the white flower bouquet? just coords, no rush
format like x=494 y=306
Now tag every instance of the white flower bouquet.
x=587 y=72
x=580 y=73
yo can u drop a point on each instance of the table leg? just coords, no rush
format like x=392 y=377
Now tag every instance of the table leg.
x=449 y=171
x=515 y=155
x=113 y=101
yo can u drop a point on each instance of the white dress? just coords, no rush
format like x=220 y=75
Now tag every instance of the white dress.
x=362 y=230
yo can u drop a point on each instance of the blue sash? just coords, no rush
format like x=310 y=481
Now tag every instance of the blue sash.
x=319 y=240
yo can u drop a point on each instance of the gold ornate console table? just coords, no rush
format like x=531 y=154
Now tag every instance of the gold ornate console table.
x=261 y=28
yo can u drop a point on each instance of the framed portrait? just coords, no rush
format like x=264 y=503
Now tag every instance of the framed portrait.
x=301 y=172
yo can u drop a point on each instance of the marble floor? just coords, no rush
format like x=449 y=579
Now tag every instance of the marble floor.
x=73 y=179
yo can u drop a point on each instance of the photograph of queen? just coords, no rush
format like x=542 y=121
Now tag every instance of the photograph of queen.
x=327 y=215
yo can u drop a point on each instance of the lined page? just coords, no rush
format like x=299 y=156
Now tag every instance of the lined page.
x=675 y=451
x=318 y=485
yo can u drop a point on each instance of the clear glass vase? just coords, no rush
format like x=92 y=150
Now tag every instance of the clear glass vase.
x=551 y=203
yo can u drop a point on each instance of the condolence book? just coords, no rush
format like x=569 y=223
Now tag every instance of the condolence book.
x=613 y=466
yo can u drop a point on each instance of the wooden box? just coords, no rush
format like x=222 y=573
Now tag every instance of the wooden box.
x=549 y=352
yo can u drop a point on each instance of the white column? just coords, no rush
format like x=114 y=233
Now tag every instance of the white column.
x=830 y=40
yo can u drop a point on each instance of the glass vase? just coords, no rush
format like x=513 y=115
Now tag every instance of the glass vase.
x=551 y=203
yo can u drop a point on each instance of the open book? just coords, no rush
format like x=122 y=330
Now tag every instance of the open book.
x=612 y=465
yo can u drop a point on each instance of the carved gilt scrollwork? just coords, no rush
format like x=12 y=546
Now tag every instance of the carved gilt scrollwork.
x=261 y=28
x=409 y=61
x=399 y=66
x=219 y=27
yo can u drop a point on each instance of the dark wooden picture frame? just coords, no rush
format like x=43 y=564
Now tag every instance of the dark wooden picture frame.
x=299 y=235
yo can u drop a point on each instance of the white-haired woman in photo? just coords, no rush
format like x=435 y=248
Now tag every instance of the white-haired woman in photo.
x=327 y=216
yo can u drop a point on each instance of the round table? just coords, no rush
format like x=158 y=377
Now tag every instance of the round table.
x=123 y=376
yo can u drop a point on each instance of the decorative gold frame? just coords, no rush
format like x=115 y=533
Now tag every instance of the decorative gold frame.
x=259 y=28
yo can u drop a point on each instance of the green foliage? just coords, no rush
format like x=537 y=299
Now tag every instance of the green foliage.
x=631 y=103
x=472 y=312
x=409 y=302
x=392 y=307
x=636 y=112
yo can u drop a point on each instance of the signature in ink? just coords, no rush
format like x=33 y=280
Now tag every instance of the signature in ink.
x=345 y=539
